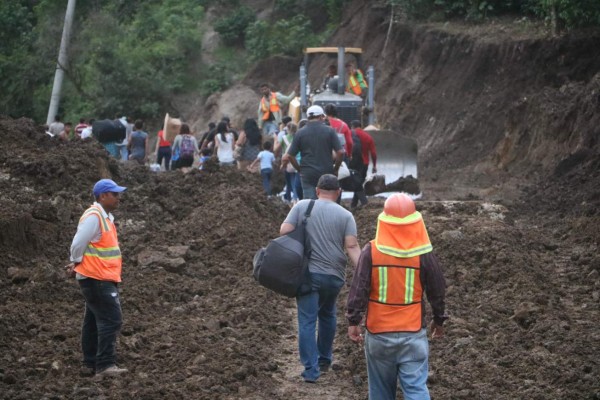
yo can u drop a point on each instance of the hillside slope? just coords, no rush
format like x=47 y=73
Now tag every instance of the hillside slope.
x=493 y=108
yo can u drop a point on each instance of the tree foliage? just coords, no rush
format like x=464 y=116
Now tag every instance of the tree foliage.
x=16 y=45
x=232 y=28
x=285 y=37
x=124 y=57
x=570 y=13
x=133 y=56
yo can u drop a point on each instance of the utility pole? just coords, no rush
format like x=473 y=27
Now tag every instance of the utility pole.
x=62 y=61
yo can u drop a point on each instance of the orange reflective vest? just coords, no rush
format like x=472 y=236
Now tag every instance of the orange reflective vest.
x=396 y=293
x=273 y=106
x=102 y=259
x=354 y=85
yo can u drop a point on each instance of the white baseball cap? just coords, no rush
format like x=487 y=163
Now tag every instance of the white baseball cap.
x=314 y=111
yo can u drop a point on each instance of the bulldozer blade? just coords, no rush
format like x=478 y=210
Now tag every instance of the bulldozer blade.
x=396 y=155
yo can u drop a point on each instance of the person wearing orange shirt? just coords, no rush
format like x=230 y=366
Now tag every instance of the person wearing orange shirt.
x=96 y=264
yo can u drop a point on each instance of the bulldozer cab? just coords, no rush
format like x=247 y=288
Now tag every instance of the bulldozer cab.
x=396 y=154
x=349 y=106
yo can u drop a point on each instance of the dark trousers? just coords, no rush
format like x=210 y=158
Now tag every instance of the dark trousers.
x=164 y=152
x=101 y=323
x=360 y=195
x=298 y=184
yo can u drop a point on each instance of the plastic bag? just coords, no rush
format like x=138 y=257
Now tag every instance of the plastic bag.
x=343 y=171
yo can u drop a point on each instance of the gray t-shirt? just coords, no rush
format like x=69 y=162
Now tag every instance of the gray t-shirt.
x=315 y=143
x=327 y=227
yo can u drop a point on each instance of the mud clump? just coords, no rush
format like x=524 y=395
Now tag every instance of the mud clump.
x=522 y=289
x=195 y=323
x=376 y=184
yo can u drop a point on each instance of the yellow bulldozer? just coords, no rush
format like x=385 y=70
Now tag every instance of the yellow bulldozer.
x=396 y=154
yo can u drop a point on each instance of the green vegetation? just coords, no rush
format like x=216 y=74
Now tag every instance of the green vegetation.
x=124 y=57
x=232 y=28
x=286 y=37
x=134 y=56
x=560 y=13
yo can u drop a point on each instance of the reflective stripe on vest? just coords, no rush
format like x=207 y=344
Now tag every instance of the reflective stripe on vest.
x=402 y=237
x=354 y=86
x=105 y=254
x=395 y=300
x=102 y=259
x=409 y=282
x=273 y=106
x=98 y=212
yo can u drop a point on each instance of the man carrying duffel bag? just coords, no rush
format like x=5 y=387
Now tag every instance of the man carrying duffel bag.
x=331 y=229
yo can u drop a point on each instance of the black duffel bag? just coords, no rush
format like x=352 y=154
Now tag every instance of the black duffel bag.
x=352 y=183
x=109 y=131
x=282 y=266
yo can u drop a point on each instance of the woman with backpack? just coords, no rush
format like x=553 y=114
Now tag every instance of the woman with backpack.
x=224 y=144
x=186 y=146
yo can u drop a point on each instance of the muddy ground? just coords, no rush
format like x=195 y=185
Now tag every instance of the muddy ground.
x=523 y=285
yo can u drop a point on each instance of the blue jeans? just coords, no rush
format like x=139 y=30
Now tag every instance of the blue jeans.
x=270 y=128
x=290 y=186
x=308 y=191
x=319 y=304
x=266 y=179
x=124 y=152
x=397 y=356
x=113 y=149
x=101 y=323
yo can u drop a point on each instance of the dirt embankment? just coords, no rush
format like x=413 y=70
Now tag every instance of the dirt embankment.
x=522 y=292
x=496 y=107
x=196 y=326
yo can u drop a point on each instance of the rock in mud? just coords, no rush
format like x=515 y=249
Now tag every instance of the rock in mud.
x=178 y=251
x=18 y=275
x=175 y=265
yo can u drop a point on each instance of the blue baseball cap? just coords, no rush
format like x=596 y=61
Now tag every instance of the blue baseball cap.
x=107 y=185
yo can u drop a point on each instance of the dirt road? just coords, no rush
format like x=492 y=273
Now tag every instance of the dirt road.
x=523 y=287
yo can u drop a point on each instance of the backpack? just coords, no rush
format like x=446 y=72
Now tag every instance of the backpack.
x=186 y=149
x=107 y=131
x=282 y=266
x=357 y=161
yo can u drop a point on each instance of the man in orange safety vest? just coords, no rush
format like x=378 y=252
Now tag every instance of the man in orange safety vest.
x=270 y=109
x=96 y=264
x=393 y=272
x=356 y=80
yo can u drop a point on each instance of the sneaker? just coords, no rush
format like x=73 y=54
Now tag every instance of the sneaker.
x=113 y=370
x=324 y=367
x=309 y=379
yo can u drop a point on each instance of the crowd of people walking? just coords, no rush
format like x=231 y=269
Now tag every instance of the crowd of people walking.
x=269 y=144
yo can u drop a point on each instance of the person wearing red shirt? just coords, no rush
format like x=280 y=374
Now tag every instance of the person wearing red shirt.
x=163 y=150
x=367 y=147
x=341 y=128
